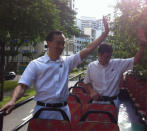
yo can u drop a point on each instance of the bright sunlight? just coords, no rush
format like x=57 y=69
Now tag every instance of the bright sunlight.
x=94 y=8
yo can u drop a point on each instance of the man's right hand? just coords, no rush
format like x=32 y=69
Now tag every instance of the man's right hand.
x=18 y=92
x=8 y=107
x=94 y=96
x=106 y=25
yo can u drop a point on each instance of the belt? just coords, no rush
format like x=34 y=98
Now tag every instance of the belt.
x=51 y=104
x=107 y=98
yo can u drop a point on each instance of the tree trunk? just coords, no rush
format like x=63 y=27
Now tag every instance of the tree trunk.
x=2 y=64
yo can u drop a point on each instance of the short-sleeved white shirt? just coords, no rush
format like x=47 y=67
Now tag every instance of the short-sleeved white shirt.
x=50 y=78
x=105 y=79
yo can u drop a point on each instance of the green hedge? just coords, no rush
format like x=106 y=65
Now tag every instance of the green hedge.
x=9 y=85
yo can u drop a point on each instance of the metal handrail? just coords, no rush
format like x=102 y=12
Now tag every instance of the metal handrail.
x=77 y=76
x=2 y=113
x=23 y=102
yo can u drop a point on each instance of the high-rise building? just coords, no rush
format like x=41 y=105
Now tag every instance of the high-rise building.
x=70 y=42
x=81 y=42
x=90 y=22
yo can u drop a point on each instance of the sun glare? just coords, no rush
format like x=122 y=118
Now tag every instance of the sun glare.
x=94 y=8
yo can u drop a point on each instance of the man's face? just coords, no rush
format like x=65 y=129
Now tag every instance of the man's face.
x=56 y=46
x=104 y=58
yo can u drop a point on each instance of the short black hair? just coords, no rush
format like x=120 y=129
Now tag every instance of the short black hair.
x=105 y=48
x=52 y=33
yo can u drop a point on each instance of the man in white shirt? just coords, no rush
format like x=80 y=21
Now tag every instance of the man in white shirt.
x=104 y=74
x=49 y=75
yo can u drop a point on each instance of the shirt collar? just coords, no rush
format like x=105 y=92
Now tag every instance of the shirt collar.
x=102 y=66
x=48 y=59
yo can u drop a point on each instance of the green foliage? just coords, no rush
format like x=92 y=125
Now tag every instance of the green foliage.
x=82 y=65
x=8 y=90
x=141 y=69
x=75 y=70
x=129 y=15
x=124 y=28
x=67 y=18
x=29 y=93
x=9 y=85
x=25 y=22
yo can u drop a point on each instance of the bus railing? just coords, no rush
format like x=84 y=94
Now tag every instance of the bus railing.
x=2 y=113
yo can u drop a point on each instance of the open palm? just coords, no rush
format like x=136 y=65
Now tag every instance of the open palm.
x=106 y=25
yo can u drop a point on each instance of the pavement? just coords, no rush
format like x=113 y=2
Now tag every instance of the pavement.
x=128 y=120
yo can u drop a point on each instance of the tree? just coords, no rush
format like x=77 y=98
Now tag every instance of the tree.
x=129 y=15
x=67 y=18
x=25 y=22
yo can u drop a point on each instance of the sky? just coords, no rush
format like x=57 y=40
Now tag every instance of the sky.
x=94 y=8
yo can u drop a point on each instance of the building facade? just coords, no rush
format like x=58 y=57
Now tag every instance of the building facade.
x=81 y=42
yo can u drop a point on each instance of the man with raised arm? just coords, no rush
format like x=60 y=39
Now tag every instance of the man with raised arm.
x=49 y=75
x=104 y=74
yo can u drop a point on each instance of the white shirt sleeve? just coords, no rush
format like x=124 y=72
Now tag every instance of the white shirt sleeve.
x=126 y=64
x=87 y=77
x=28 y=75
x=74 y=60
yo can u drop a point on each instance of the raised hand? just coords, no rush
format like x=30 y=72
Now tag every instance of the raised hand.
x=106 y=25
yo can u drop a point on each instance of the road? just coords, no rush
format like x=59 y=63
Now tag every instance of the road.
x=18 y=116
x=21 y=114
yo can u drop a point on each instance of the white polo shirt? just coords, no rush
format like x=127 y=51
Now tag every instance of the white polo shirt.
x=50 y=78
x=105 y=79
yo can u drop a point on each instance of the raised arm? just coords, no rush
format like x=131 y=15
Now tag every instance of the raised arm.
x=18 y=93
x=90 y=47
x=142 y=44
